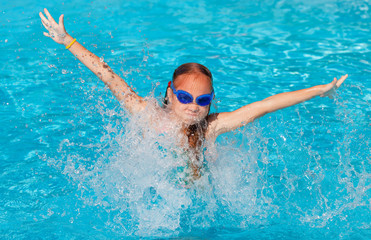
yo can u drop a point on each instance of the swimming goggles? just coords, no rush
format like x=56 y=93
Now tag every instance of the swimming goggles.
x=186 y=98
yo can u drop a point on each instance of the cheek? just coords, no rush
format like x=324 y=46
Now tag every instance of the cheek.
x=177 y=107
x=205 y=111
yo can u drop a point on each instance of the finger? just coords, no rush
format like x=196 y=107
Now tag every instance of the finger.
x=43 y=18
x=45 y=25
x=46 y=34
x=341 y=80
x=48 y=15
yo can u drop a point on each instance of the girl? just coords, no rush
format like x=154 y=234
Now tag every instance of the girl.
x=188 y=96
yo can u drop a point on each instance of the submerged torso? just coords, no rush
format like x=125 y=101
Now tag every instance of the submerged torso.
x=188 y=168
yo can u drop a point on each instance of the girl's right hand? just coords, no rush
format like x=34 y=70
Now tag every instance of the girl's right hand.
x=57 y=32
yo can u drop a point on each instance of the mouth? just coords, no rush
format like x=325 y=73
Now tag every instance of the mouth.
x=192 y=114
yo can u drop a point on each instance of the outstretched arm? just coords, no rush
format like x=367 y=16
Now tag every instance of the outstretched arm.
x=117 y=85
x=229 y=121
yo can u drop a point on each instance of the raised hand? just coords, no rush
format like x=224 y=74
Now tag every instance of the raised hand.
x=330 y=89
x=56 y=31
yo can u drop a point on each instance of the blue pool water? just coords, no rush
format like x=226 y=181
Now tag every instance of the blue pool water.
x=74 y=165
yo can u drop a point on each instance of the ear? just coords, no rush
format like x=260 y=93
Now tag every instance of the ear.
x=169 y=95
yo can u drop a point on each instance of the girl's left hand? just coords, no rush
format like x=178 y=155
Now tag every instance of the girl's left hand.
x=330 y=89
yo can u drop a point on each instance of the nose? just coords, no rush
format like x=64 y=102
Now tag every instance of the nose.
x=193 y=107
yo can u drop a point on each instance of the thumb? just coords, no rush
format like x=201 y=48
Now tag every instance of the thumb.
x=333 y=83
x=61 y=21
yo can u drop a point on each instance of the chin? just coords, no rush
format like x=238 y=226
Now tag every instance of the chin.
x=192 y=120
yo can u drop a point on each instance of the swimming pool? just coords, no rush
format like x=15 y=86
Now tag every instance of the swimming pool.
x=73 y=164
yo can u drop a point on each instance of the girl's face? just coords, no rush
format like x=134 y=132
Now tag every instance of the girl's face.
x=196 y=84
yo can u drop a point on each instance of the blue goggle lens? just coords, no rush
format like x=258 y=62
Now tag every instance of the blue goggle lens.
x=184 y=98
x=204 y=100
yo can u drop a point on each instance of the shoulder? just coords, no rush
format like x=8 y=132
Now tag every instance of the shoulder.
x=215 y=125
x=219 y=123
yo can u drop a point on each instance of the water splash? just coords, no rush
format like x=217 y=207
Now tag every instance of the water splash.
x=138 y=178
x=256 y=177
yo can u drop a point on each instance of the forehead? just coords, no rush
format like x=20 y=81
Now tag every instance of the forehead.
x=193 y=81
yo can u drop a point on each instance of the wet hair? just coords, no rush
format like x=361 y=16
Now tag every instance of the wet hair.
x=192 y=68
x=195 y=132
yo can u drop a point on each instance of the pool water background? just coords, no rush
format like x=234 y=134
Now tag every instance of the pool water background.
x=302 y=172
